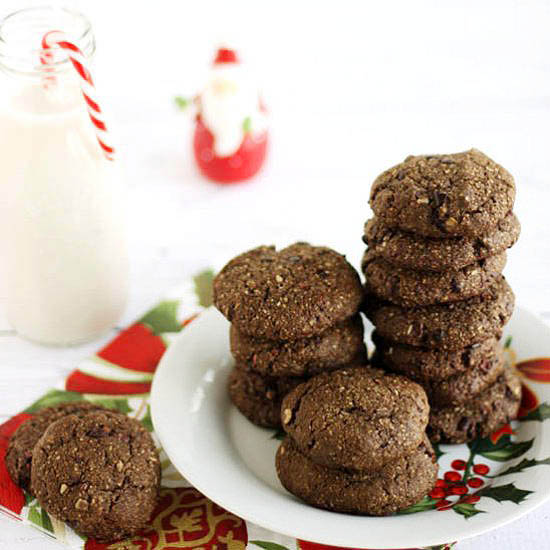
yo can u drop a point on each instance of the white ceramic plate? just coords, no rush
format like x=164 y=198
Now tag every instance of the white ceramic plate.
x=232 y=461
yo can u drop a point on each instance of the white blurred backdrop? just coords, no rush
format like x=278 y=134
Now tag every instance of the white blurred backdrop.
x=352 y=88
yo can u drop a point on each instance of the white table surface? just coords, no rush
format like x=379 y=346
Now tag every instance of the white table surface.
x=350 y=94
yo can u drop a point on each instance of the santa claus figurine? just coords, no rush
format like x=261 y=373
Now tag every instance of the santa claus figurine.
x=230 y=140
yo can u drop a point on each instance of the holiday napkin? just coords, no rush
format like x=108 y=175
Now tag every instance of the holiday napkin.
x=119 y=376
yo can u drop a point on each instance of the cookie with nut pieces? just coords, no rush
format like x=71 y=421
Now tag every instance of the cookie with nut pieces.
x=99 y=473
x=297 y=292
x=409 y=287
x=405 y=249
x=461 y=194
x=19 y=453
x=356 y=418
x=449 y=326
x=340 y=345
x=259 y=397
x=398 y=484
x=481 y=416
x=435 y=365
x=460 y=387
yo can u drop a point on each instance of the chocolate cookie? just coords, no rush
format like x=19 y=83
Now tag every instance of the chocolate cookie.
x=259 y=397
x=22 y=442
x=444 y=195
x=481 y=416
x=293 y=293
x=337 y=346
x=411 y=251
x=99 y=473
x=449 y=326
x=356 y=418
x=398 y=484
x=458 y=388
x=432 y=364
x=409 y=288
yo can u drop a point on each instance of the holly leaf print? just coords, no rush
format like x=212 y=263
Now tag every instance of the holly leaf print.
x=508 y=342
x=502 y=450
x=266 y=545
x=40 y=517
x=120 y=405
x=279 y=434
x=54 y=397
x=437 y=450
x=509 y=451
x=147 y=421
x=203 y=287
x=466 y=509
x=163 y=318
x=523 y=465
x=541 y=413
x=502 y=493
x=46 y=521
x=426 y=503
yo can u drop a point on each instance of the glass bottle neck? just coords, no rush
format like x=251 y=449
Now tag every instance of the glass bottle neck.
x=21 y=35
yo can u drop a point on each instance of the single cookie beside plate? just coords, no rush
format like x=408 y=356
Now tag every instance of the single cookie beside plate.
x=99 y=473
x=22 y=442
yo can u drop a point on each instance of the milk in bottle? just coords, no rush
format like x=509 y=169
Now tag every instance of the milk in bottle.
x=64 y=252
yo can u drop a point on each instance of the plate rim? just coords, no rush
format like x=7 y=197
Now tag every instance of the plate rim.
x=158 y=405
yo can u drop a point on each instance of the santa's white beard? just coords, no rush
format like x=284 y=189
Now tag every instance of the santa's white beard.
x=226 y=102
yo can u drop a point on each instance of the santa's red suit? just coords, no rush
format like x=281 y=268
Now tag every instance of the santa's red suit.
x=230 y=141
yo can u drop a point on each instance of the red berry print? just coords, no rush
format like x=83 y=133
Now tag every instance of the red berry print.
x=458 y=465
x=452 y=476
x=441 y=483
x=470 y=499
x=459 y=490
x=481 y=469
x=438 y=492
x=475 y=482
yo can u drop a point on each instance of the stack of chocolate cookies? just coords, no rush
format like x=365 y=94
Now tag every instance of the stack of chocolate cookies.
x=294 y=314
x=356 y=442
x=435 y=292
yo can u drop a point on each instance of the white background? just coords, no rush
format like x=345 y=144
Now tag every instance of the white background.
x=352 y=89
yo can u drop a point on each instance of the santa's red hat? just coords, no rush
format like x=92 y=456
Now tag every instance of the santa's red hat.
x=226 y=55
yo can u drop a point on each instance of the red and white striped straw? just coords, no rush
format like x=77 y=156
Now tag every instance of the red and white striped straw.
x=80 y=63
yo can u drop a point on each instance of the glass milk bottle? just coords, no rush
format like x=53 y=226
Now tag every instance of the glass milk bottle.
x=63 y=246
